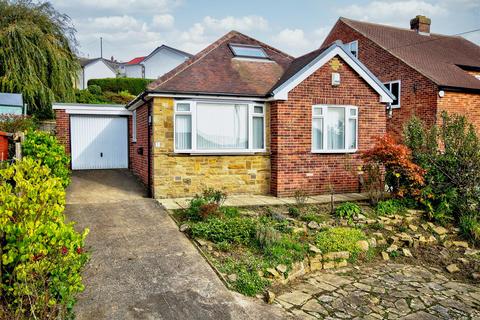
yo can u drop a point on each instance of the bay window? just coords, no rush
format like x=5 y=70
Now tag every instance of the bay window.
x=334 y=128
x=223 y=127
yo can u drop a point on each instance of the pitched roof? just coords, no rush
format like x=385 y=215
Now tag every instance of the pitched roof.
x=136 y=60
x=216 y=70
x=11 y=99
x=438 y=57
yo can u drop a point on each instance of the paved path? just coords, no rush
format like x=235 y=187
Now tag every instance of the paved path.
x=141 y=266
x=384 y=291
x=263 y=200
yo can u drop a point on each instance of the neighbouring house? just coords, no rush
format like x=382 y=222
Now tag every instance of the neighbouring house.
x=12 y=103
x=246 y=118
x=428 y=73
x=97 y=68
x=156 y=64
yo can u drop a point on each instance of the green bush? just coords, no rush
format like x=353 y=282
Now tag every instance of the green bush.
x=294 y=211
x=205 y=205
x=340 y=239
x=470 y=227
x=134 y=86
x=45 y=147
x=267 y=236
x=42 y=255
x=87 y=97
x=94 y=89
x=16 y=123
x=348 y=210
x=286 y=251
x=390 y=207
x=234 y=230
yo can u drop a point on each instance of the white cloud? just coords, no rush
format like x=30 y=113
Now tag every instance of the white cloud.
x=119 y=6
x=246 y=23
x=392 y=12
x=111 y=23
x=298 y=42
x=163 y=21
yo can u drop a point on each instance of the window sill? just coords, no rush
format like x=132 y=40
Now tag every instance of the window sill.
x=220 y=153
x=335 y=151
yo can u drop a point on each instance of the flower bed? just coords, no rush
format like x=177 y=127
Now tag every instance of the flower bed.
x=258 y=248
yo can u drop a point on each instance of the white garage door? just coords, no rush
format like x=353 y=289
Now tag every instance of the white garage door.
x=99 y=142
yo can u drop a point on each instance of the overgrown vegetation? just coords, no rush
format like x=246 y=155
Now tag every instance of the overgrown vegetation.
x=37 y=54
x=390 y=207
x=134 y=86
x=17 y=123
x=45 y=148
x=95 y=95
x=450 y=154
x=42 y=255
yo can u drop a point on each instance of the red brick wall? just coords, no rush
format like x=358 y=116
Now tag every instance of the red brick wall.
x=294 y=166
x=418 y=94
x=139 y=162
x=467 y=104
x=62 y=130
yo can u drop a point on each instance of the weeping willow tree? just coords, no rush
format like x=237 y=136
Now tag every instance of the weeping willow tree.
x=37 y=54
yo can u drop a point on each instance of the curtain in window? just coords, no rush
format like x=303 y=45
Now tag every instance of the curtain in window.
x=336 y=128
x=317 y=133
x=222 y=126
x=258 y=133
x=183 y=132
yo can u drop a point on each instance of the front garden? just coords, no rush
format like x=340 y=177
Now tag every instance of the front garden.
x=41 y=254
x=423 y=209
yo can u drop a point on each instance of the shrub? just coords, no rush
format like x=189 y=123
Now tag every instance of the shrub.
x=348 y=210
x=403 y=177
x=294 y=211
x=470 y=227
x=134 y=86
x=95 y=89
x=340 y=239
x=248 y=280
x=205 y=205
x=450 y=153
x=87 y=97
x=16 y=123
x=234 y=230
x=122 y=97
x=230 y=212
x=42 y=255
x=390 y=207
x=267 y=236
x=44 y=147
x=300 y=198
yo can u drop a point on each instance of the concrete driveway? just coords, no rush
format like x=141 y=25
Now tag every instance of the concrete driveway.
x=141 y=266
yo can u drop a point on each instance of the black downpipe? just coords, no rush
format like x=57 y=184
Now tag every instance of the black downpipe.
x=149 y=148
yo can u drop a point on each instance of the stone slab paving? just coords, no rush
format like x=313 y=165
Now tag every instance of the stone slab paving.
x=262 y=200
x=382 y=291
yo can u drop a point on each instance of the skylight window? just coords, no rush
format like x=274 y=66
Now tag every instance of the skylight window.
x=247 y=51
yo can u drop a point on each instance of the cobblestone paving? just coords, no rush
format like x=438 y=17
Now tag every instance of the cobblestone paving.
x=386 y=291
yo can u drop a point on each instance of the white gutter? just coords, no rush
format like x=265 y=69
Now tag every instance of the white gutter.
x=93 y=109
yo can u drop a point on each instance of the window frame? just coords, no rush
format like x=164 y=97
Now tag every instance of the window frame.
x=389 y=83
x=134 y=126
x=193 y=113
x=232 y=45
x=350 y=48
x=324 y=116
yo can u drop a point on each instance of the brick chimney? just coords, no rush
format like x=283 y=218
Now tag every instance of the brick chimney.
x=421 y=24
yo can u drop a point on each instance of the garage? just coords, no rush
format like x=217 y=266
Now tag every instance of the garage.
x=97 y=135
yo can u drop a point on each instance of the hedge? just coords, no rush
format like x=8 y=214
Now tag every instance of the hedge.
x=134 y=86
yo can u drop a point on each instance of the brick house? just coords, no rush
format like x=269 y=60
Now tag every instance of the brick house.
x=428 y=73
x=247 y=118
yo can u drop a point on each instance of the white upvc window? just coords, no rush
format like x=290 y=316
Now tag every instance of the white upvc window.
x=395 y=88
x=209 y=127
x=353 y=48
x=134 y=126
x=334 y=129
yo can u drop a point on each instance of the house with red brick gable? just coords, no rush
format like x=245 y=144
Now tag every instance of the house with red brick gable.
x=246 y=118
x=428 y=73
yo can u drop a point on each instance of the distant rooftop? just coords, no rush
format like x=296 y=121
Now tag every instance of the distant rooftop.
x=11 y=99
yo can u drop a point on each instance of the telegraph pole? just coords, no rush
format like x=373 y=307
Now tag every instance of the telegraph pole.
x=101 y=47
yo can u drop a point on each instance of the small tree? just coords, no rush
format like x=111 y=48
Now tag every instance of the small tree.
x=402 y=176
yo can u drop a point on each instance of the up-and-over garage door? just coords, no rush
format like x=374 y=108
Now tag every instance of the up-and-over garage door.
x=99 y=141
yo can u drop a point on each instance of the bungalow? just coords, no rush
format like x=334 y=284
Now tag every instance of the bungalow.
x=157 y=63
x=428 y=73
x=247 y=118
x=97 y=68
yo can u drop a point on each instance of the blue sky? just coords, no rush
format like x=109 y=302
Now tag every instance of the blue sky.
x=133 y=28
